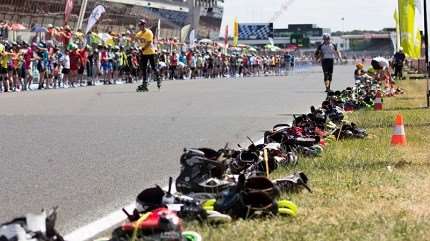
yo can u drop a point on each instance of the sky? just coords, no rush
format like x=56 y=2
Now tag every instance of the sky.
x=357 y=14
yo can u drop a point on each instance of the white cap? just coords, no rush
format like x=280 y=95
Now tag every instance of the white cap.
x=326 y=36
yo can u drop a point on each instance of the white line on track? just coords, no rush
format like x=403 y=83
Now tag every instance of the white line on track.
x=99 y=226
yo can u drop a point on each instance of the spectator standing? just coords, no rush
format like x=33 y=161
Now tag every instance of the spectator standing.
x=398 y=61
x=75 y=64
x=65 y=59
x=173 y=64
x=4 y=60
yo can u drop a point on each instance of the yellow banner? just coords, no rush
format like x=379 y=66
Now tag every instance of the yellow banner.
x=408 y=30
x=235 y=32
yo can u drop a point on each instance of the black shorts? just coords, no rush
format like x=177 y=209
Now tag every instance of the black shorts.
x=41 y=67
x=3 y=70
x=22 y=73
x=144 y=59
x=327 y=66
x=81 y=69
x=89 y=69
x=115 y=66
x=125 y=69
x=134 y=71
x=144 y=63
x=66 y=71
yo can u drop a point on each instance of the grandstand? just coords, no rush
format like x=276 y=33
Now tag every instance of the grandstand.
x=52 y=12
x=174 y=14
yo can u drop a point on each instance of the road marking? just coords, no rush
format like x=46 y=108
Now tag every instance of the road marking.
x=99 y=226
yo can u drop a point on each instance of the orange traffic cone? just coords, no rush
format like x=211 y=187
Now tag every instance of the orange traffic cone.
x=378 y=100
x=399 y=136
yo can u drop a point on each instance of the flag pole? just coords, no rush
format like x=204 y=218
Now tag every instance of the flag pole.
x=426 y=49
x=400 y=23
x=81 y=15
x=397 y=17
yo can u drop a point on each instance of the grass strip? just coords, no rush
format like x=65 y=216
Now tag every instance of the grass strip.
x=363 y=189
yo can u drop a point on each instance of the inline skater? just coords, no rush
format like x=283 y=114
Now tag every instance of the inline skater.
x=145 y=38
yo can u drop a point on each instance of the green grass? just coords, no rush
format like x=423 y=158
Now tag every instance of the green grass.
x=363 y=189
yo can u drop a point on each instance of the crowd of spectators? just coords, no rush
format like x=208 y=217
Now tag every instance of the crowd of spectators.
x=65 y=60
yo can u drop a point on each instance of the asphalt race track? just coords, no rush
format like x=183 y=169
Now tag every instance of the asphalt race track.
x=92 y=150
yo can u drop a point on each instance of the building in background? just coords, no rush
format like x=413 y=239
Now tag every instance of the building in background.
x=301 y=35
x=295 y=36
x=120 y=14
x=309 y=36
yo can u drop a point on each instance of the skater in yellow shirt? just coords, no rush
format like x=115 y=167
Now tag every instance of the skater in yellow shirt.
x=145 y=38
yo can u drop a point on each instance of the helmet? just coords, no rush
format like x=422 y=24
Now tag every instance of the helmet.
x=326 y=36
x=142 y=21
x=359 y=66
x=244 y=160
x=199 y=167
x=263 y=184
